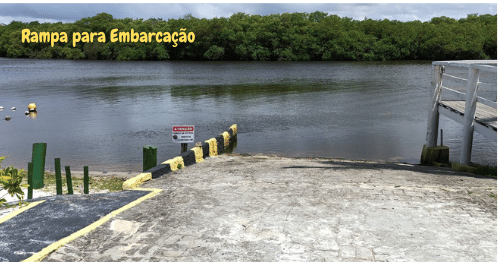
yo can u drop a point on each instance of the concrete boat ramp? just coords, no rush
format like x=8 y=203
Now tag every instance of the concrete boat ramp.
x=262 y=208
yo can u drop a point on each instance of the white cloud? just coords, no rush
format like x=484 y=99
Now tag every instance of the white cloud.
x=377 y=11
x=8 y=19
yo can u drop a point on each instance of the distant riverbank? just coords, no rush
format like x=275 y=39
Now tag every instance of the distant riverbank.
x=241 y=37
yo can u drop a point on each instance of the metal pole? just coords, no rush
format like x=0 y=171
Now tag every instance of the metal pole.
x=68 y=180
x=58 y=176
x=441 y=137
x=149 y=157
x=30 y=180
x=184 y=147
x=38 y=160
x=85 y=179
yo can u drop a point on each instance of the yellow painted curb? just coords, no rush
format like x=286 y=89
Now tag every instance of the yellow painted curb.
x=235 y=129
x=198 y=154
x=212 y=146
x=19 y=211
x=137 y=181
x=174 y=162
x=54 y=246
x=226 y=139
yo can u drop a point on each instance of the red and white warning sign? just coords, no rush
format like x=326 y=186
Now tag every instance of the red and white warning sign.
x=183 y=134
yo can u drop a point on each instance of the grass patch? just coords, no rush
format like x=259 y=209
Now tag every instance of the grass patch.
x=97 y=183
x=493 y=195
x=243 y=154
x=488 y=171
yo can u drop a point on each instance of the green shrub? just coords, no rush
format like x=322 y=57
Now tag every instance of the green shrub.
x=10 y=180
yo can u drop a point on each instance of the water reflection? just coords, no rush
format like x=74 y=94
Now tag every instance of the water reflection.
x=32 y=115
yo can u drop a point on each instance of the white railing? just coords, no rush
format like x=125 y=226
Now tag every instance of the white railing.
x=457 y=95
x=470 y=97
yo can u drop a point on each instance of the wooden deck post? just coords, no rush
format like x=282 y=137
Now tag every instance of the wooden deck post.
x=30 y=180
x=57 y=162
x=470 y=113
x=85 y=179
x=433 y=118
x=38 y=160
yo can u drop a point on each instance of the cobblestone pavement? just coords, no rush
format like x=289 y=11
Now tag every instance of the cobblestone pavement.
x=258 y=208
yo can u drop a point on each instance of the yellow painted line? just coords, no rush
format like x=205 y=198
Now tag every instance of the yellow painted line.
x=198 y=154
x=212 y=146
x=174 y=162
x=226 y=139
x=136 y=181
x=56 y=245
x=19 y=211
x=234 y=128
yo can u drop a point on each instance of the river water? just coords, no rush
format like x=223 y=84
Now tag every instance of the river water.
x=101 y=113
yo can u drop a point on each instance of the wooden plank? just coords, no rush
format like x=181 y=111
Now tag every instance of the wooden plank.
x=485 y=115
x=486 y=131
x=451 y=113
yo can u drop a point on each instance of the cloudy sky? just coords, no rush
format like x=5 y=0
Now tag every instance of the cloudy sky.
x=57 y=12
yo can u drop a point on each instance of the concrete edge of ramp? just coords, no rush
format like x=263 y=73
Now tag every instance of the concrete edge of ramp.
x=210 y=148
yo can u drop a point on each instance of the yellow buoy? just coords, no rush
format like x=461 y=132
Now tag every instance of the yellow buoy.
x=32 y=107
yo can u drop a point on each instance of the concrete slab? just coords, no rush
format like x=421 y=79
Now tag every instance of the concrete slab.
x=257 y=208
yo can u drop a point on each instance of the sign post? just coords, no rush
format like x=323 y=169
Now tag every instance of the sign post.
x=183 y=135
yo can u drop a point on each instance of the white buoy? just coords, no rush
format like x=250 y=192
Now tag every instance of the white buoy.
x=13 y=108
x=26 y=112
x=1 y=107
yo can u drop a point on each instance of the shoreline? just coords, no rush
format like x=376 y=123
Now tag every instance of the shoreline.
x=131 y=174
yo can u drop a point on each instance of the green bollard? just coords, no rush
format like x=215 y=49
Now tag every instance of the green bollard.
x=58 y=176
x=68 y=180
x=38 y=160
x=184 y=147
x=30 y=180
x=86 y=179
x=149 y=159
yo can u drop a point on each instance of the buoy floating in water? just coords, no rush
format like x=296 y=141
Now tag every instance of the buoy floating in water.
x=7 y=118
x=13 y=108
x=1 y=107
x=26 y=112
x=32 y=107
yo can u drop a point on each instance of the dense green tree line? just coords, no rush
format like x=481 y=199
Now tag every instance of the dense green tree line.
x=296 y=37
